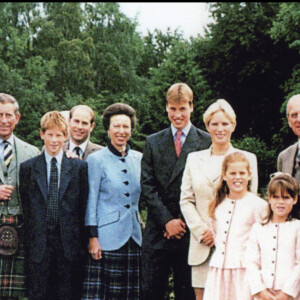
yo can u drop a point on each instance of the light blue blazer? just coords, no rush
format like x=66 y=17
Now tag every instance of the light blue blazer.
x=114 y=192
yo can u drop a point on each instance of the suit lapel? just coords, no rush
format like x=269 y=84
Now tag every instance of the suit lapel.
x=190 y=145
x=41 y=175
x=291 y=159
x=65 y=176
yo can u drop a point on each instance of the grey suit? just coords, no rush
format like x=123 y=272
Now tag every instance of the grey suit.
x=285 y=164
x=14 y=265
x=90 y=148
x=161 y=180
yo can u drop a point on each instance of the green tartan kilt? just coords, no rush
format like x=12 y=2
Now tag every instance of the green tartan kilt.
x=12 y=268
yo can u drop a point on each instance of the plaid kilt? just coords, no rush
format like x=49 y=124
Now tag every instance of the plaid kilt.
x=12 y=268
x=115 y=276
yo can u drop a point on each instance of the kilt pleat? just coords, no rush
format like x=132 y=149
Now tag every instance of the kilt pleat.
x=12 y=268
x=116 y=276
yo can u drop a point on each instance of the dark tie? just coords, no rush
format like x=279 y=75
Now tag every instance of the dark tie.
x=178 y=142
x=7 y=154
x=52 y=209
x=77 y=151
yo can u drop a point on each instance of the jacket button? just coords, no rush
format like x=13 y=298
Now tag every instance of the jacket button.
x=126 y=182
x=127 y=206
x=122 y=159
x=127 y=194
x=124 y=171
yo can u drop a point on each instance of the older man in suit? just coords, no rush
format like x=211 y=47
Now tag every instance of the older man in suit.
x=289 y=159
x=81 y=125
x=166 y=237
x=13 y=152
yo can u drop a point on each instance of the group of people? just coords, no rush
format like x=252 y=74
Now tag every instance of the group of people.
x=75 y=208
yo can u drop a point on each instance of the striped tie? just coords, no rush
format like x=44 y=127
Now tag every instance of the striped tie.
x=8 y=153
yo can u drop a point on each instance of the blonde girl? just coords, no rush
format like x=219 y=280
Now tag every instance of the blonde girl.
x=233 y=212
x=273 y=252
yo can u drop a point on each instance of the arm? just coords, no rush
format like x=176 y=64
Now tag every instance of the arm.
x=94 y=182
x=24 y=175
x=194 y=221
x=253 y=263
x=254 y=174
x=292 y=284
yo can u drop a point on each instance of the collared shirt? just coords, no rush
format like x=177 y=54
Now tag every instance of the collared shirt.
x=48 y=158
x=185 y=132
x=10 y=140
x=81 y=146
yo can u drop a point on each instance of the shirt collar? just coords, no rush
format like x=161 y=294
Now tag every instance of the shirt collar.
x=185 y=130
x=58 y=157
x=81 y=146
x=10 y=140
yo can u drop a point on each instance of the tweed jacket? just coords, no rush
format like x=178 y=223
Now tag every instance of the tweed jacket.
x=114 y=193
x=286 y=159
x=90 y=148
x=22 y=151
x=201 y=176
x=273 y=257
x=161 y=180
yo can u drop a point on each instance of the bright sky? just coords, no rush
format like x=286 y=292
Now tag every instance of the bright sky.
x=188 y=17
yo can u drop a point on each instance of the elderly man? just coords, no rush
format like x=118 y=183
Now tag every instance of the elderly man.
x=13 y=152
x=289 y=159
x=81 y=125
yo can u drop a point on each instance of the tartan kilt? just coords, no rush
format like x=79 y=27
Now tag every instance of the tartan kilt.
x=12 y=268
x=115 y=276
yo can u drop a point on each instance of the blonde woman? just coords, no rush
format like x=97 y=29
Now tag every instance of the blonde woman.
x=201 y=175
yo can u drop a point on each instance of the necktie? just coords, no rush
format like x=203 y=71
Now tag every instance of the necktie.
x=77 y=151
x=52 y=209
x=7 y=154
x=178 y=142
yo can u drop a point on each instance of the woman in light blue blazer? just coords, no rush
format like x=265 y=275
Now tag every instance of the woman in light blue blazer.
x=113 y=269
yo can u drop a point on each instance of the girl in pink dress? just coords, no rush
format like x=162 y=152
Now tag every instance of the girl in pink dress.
x=273 y=252
x=233 y=212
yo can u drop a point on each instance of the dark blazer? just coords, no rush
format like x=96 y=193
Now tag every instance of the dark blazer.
x=90 y=148
x=73 y=193
x=161 y=180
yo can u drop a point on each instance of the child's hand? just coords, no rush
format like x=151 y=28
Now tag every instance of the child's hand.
x=282 y=296
x=266 y=295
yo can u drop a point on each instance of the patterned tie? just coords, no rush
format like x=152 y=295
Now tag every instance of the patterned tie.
x=52 y=209
x=7 y=154
x=178 y=142
x=77 y=151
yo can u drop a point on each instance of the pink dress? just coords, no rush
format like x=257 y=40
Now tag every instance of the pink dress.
x=226 y=278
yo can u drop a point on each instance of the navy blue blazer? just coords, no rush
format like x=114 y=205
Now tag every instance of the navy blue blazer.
x=161 y=180
x=73 y=193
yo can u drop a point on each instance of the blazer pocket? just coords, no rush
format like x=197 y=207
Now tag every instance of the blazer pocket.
x=109 y=219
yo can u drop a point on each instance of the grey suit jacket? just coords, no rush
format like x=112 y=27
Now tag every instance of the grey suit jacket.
x=286 y=159
x=23 y=151
x=285 y=164
x=161 y=180
x=90 y=148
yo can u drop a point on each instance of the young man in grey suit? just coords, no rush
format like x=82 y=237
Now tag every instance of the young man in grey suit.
x=13 y=152
x=81 y=125
x=166 y=237
x=289 y=159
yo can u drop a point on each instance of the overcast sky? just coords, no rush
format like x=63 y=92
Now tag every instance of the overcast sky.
x=188 y=17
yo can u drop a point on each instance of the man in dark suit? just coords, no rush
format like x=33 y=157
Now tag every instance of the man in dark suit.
x=289 y=159
x=54 y=191
x=81 y=125
x=166 y=237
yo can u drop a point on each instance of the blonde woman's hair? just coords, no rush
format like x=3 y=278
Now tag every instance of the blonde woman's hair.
x=219 y=105
x=222 y=189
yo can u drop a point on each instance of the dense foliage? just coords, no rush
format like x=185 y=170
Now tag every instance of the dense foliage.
x=59 y=54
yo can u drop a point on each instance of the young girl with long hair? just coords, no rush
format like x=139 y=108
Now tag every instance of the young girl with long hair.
x=233 y=212
x=273 y=252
